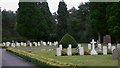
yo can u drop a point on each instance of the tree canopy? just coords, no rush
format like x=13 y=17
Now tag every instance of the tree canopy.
x=62 y=26
x=34 y=20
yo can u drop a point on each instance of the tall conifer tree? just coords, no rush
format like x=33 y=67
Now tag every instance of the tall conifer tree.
x=62 y=26
x=34 y=20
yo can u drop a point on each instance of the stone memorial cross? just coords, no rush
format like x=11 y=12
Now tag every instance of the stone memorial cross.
x=93 y=52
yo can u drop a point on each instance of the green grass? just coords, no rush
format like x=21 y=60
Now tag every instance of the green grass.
x=86 y=60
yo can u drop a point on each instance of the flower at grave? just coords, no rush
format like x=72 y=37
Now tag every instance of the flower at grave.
x=40 y=58
x=51 y=60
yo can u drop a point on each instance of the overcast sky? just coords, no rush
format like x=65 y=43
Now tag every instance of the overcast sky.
x=53 y=4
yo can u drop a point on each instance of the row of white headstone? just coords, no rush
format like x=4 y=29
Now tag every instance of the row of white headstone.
x=94 y=51
x=69 y=50
x=99 y=47
x=30 y=44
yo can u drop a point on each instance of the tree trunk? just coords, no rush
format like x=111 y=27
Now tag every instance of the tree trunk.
x=99 y=37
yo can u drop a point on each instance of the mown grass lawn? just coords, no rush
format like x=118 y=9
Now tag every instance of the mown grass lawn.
x=85 y=60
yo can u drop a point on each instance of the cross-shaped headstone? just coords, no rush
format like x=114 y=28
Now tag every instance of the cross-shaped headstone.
x=93 y=52
x=93 y=44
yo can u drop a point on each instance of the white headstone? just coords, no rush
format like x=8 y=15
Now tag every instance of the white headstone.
x=41 y=43
x=4 y=43
x=69 y=50
x=89 y=46
x=12 y=44
x=69 y=53
x=93 y=51
x=60 y=46
x=54 y=43
x=38 y=43
x=17 y=44
x=104 y=50
x=34 y=43
x=70 y=46
x=79 y=45
x=22 y=44
x=25 y=44
x=8 y=43
x=118 y=45
x=44 y=43
x=81 y=51
x=99 y=47
x=109 y=46
x=30 y=44
x=58 y=52
x=50 y=43
x=113 y=47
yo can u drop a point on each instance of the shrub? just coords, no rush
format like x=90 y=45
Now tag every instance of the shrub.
x=64 y=53
x=100 y=53
x=87 y=52
x=4 y=47
x=68 y=39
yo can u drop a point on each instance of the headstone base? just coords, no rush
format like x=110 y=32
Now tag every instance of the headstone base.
x=93 y=52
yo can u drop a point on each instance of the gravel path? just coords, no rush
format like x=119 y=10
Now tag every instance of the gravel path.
x=9 y=59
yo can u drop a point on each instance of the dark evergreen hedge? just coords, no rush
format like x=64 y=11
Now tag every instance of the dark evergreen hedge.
x=68 y=39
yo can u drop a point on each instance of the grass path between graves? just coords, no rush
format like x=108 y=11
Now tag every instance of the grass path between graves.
x=86 y=60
